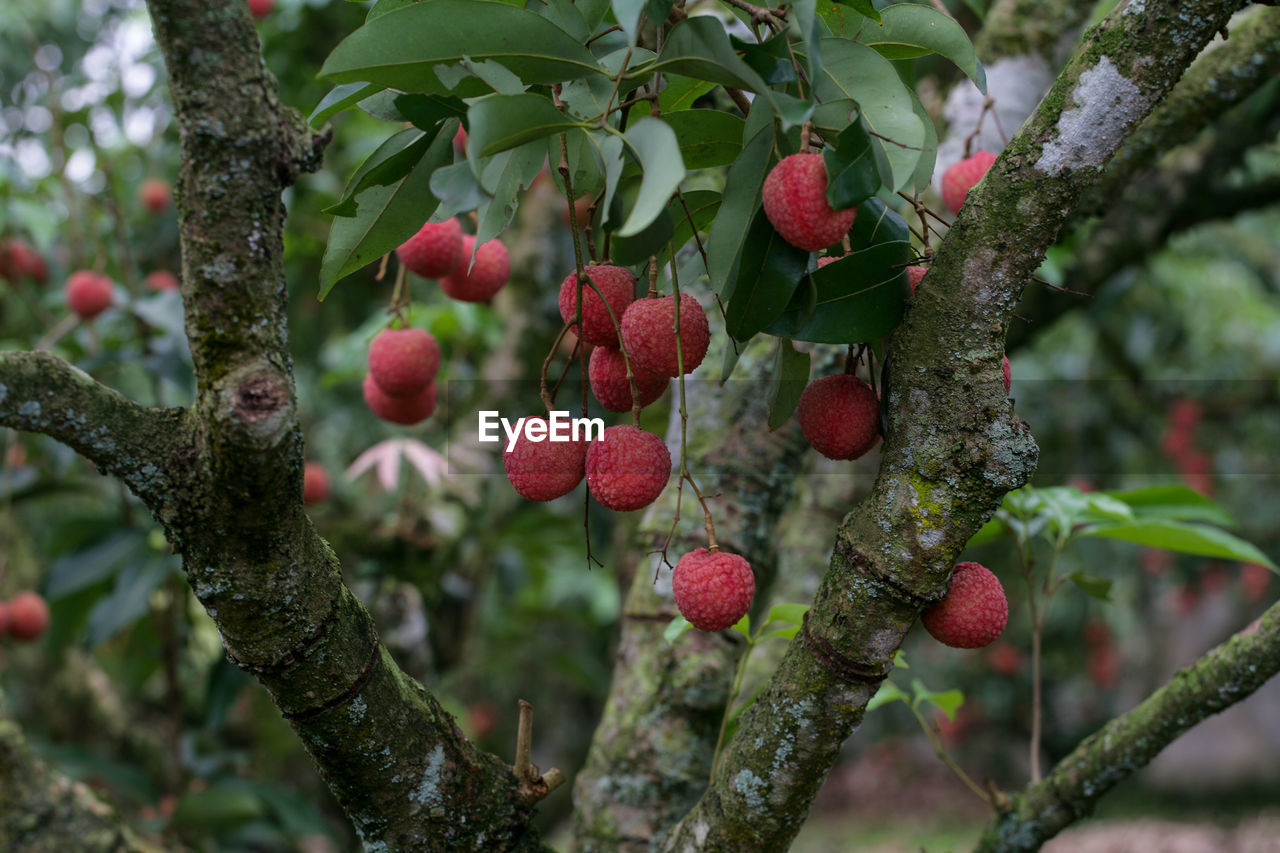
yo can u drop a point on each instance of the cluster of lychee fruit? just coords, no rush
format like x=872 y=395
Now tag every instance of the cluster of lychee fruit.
x=440 y=250
x=25 y=617
x=400 y=386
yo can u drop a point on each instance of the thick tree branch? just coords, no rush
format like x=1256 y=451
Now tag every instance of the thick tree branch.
x=954 y=446
x=1223 y=677
x=651 y=754
x=40 y=392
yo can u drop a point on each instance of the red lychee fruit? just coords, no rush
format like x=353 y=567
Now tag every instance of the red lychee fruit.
x=28 y=616
x=827 y=259
x=581 y=209
x=18 y=260
x=627 y=468
x=619 y=288
x=435 y=250
x=1104 y=666
x=914 y=274
x=315 y=483
x=481 y=718
x=544 y=470
x=795 y=200
x=88 y=293
x=1096 y=632
x=162 y=280
x=478 y=282
x=839 y=416
x=155 y=195
x=1005 y=659
x=607 y=372
x=399 y=410
x=1254 y=580
x=961 y=177
x=261 y=8
x=713 y=589
x=1007 y=369
x=403 y=361
x=974 y=611
x=648 y=333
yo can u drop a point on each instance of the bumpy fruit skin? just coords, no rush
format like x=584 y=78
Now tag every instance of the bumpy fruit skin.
x=28 y=616
x=435 y=250
x=261 y=8
x=795 y=200
x=545 y=470
x=963 y=176
x=18 y=260
x=1007 y=369
x=315 y=483
x=648 y=333
x=88 y=293
x=399 y=410
x=974 y=611
x=619 y=288
x=155 y=195
x=403 y=361
x=839 y=416
x=162 y=280
x=607 y=372
x=627 y=468
x=713 y=590
x=486 y=276
x=914 y=275
x=826 y=259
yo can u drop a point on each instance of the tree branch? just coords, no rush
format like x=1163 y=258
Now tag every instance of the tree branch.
x=1224 y=676
x=954 y=446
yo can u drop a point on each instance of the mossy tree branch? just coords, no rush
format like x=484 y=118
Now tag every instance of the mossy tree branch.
x=651 y=754
x=954 y=446
x=1226 y=675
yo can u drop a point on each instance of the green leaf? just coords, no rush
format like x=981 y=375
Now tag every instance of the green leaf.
x=401 y=49
x=909 y=30
x=876 y=223
x=385 y=217
x=888 y=692
x=947 y=701
x=771 y=58
x=706 y=137
x=790 y=375
x=1174 y=502
x=785 y=633
x=675 y=628
x=654 y=144
x=651 y=240
x=859 y=298
x=681 y=92
x=389 y=163
x=855 y=74
x=863 y=7
x=499 y=122
x=627 y=14
x=1181 y=536
x=218 y=808
x=922 y=178
x=763 y=280
x=1099 y=588
x=85 y=567
x=741 y=201
x=743 y=625
x=457 y=189
x=852 y=177
x=703 y=205
x=504 y=175
x=989 y=532
x=566 y=15
x=129 y=600
x=804 y=18
x=340 y=98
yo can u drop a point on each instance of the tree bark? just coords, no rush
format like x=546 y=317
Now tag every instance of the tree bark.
x=954 y=446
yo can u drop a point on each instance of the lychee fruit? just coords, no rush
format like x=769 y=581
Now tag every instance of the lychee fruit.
x=435 y=250
x=627 y=468
x=403 y=361
x=914 y=274
x=795 y=201
x=648 y=333
x=1005 y=659
x=544 y=470
x=713 y=589
x=315 y=483
x=261 y=8
x=88 y=293
x=619 y=288
x=155 y=195
x=28 y=616
x=581 y=210
x=827 y=259
x=399 y=410
x=161 y=280
x=974 y=611
x=607 y=372
x=839 y=416
x=18 y=260
x=480 y=281
x=960 y=177
x=1007 y=369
